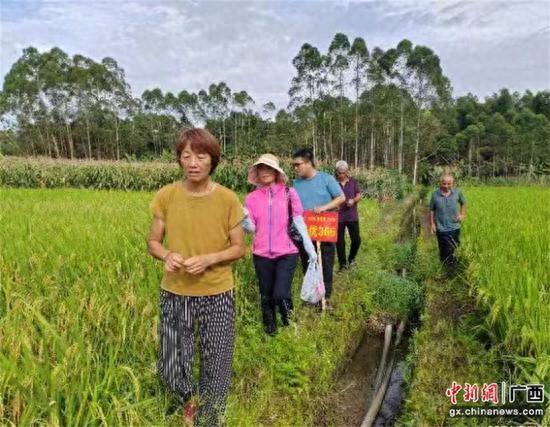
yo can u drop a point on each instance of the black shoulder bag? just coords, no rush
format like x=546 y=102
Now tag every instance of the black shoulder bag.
x=293 y=232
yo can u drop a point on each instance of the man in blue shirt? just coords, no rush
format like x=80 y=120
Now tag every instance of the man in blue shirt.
x=319 y=192
x=445 y=219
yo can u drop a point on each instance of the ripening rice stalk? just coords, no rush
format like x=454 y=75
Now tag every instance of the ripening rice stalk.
x=77 y=308
x=79 y=320
x=507 y=241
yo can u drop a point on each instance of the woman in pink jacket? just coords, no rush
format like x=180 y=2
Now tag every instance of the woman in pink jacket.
x=275 y=254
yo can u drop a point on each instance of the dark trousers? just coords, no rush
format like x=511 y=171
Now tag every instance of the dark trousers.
x=355 y=238
x=275 y=278
x=448 y=241
x=327 y=256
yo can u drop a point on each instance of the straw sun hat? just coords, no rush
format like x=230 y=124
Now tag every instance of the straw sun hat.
x=269 y=160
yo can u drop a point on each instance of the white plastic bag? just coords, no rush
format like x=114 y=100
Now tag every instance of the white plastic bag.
x=313 y=287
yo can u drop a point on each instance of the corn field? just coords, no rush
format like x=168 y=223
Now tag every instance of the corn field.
x=15 y=172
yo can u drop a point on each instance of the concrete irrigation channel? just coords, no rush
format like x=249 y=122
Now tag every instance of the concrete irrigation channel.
x=370 y=389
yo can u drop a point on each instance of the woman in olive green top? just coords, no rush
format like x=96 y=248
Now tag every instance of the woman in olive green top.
x=199 y=222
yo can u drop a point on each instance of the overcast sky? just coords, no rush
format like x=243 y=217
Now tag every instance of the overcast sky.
x=484 y=45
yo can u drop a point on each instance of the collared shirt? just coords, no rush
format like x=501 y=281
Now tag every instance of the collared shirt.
x=349 y=213
x=446 y=209
x=318 y=190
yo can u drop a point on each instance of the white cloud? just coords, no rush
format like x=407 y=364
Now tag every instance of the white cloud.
x=483 y=44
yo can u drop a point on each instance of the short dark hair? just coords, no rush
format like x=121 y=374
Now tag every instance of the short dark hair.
x=201 y=141
x=306 y=154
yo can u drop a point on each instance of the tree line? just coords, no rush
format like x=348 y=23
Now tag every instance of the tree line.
x=392 y=108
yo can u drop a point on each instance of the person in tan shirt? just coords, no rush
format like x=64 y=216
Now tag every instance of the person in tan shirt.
x=196 y=232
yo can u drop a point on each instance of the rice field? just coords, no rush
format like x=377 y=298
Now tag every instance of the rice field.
x=79 y=308
x=79 y=318
x=506 y=240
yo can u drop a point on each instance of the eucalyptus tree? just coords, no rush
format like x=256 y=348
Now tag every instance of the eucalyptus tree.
x=307 y=85
x=94 y=84
x=377 y=79
x=116 y=97
x=426 y=84
x=240 y=102
x=339 y=61
x=393 y=64
x=21 y=91
x=153 y=104
x=52 y=70
x=188 y=107
x=62 y=95
x=220 y=96
x=268 y=109
x=359 y=63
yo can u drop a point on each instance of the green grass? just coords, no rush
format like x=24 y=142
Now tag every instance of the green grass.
x=79 y=318
x=448 y=346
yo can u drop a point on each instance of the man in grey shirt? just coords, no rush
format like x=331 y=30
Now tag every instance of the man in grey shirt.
x=445 y=219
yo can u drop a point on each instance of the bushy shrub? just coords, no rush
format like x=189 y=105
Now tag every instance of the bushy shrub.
x=396 y=295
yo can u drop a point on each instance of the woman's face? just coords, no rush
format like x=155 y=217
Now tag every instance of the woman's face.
x=266 y=174
x=196 y=166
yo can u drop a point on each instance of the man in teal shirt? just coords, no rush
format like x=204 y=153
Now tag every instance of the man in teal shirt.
x=318 y=192
x=445 y=219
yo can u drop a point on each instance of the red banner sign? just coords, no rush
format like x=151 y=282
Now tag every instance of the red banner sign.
x=322 y=227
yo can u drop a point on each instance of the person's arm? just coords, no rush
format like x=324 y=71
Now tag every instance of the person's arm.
x=306 y=240
x=172 y=260
x=197 y=264
x=336 y=193
x=248 y=224
x=298 y=221
x=432 y=221
x=333 y=204
x=433 y=227
x=462 y=214
x=358 y=195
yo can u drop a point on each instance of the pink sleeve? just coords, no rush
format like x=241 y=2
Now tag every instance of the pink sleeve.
x=297 y=208
x=248 y=205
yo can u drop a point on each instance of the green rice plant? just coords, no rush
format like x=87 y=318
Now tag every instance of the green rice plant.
x=507 y=245
x=79 y=319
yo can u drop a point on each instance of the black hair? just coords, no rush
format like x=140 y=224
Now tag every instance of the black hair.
x=306 y=154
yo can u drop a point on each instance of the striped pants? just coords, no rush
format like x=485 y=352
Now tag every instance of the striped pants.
x=214 y=317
